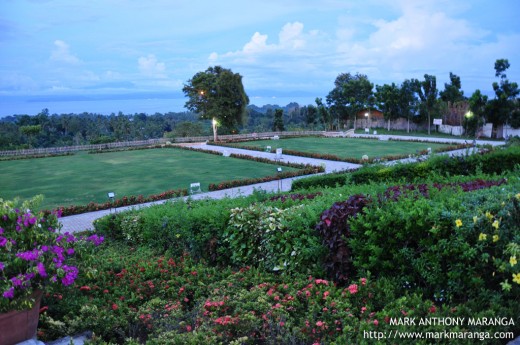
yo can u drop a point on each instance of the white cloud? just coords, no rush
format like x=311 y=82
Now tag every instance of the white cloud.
x=291 y=36
x=291 y=40
x=61 y=53
x=149 y=66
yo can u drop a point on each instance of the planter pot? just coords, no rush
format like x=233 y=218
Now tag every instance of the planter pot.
x=20 y=325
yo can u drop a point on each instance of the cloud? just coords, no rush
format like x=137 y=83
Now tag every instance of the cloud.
x=61 y=53
x=291 y=39
x=149 y=66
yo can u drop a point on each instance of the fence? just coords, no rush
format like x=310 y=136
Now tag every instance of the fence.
x=66 y=149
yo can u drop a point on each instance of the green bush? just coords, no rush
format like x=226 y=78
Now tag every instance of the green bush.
x=495 y=162
x=451 y=246
x=321 y=181
x=273 y=238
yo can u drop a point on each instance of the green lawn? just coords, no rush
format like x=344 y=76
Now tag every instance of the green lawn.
x=346 y=147
x=82 y=178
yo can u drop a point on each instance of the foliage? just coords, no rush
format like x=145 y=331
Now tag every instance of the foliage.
x=322 y=181
x=217 y=94
x=334 y=230
x=427 y=91
x=278 y=121
x=503 y=109
x=450 y=246
x=268 y=237
x=351 y=94
x=496 y=162
x=33 y=255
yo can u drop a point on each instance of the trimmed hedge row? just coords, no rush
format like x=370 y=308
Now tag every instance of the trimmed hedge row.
x=493 y=162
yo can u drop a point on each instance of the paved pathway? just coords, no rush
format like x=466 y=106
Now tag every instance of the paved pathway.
x=85 y=221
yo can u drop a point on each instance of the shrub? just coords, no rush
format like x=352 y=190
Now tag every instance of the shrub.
x=334 y=230
x=435 y=246
x=269 y=237
x=320 y=181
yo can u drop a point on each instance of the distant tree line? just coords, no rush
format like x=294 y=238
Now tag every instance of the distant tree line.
x=216 y=97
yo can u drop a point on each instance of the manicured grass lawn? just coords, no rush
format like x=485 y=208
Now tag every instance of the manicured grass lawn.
x=346 y=147
x=82 y=178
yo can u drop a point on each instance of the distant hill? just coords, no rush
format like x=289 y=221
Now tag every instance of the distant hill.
x=263 y=109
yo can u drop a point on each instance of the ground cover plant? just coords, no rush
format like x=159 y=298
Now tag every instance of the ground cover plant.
x=190 y=273
x=348 y=149
x=84 y=178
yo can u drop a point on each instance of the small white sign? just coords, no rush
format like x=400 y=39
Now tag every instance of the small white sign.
x=437 y=121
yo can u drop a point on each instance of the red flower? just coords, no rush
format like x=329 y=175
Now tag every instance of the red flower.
x=114 y=306
x=85 y=288
x=43 y=309
x=433 y=309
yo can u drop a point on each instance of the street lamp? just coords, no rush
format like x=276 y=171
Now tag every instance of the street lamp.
x=366 y=122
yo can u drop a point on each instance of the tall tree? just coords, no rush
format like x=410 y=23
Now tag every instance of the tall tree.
x=351 y=94
x=504 y=107
x=427 y=91
x=388 y=97
x=217 y=94
x=475 y=117
x=323 y=114
x=408 y=101
x=452 y=92
x=278 y=121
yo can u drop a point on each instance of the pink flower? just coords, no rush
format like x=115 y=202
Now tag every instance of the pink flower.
x=353 y=288
x=363 y=281
x=376 y=322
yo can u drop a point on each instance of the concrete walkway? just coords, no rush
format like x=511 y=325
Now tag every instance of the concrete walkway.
x=84 y=221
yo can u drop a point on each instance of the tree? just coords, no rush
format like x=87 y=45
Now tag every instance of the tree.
x=452 y=92
x=475 y=117
x=311 y=116
x=323 y=114
x=278 y=121
x=217 y=94
x=504 y=107
x=387 y=97
x=408 y=101
x=427 y=91
x=351 y=94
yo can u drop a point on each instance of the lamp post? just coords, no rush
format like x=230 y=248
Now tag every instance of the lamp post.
x=367 y=118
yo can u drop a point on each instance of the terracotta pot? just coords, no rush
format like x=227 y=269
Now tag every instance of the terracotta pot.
x=20 y=325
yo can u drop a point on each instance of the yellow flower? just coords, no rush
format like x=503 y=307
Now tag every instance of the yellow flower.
x=489 y=215
x=482 y=237
x=458 y=223
x=496 y=224
x=516 y=278
x=475 y=218
x=512 y=260
x=495 y=238
x=518 y=196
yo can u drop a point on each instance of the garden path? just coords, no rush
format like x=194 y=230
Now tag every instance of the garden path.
x=84 y=221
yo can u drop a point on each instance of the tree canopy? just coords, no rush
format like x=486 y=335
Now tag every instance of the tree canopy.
x=217 y=94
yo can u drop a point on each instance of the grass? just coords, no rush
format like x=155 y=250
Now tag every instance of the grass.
x=82 y=178
x=345 y=147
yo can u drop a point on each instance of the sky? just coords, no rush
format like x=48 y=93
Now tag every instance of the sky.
x=284 y=49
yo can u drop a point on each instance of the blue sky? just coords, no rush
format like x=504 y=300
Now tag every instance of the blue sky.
x=65 y=49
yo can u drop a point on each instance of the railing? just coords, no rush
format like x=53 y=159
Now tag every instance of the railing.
x=249 y=136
